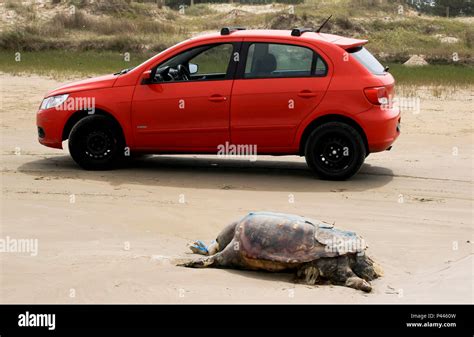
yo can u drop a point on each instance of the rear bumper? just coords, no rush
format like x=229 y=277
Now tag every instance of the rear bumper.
x=50 y=126
x=381 y=126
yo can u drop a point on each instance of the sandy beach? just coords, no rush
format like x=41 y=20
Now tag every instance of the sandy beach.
x=113 y=237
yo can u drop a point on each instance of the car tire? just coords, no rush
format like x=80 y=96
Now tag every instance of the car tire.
x=335 y=151
x=95 y=143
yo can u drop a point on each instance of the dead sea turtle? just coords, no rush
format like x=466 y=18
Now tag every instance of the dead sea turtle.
x=316 y=251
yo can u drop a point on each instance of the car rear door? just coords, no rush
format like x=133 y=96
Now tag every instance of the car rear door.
x=277 y=85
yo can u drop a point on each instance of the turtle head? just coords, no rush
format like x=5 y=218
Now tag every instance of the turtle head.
x=366 y=268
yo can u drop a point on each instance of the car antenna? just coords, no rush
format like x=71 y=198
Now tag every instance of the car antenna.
x=324 y=23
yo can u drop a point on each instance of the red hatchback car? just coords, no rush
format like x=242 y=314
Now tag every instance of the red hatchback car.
x=284 y=92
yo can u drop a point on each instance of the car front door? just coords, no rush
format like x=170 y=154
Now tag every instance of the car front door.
x=277 y=85
x=177 y=112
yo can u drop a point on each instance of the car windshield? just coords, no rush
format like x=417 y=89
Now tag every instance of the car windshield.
x=367 y=60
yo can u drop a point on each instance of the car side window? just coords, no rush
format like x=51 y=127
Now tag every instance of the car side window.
x=271 y=60
x=196 y=64
x=213 y=61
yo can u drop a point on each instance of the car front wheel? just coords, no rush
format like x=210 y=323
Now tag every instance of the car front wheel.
x=335 y=151
x=95 y=144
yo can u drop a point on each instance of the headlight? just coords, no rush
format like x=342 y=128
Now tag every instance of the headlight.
x=53 y=101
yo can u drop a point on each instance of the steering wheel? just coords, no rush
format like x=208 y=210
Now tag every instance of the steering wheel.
x=164 y=74
x=183 y=72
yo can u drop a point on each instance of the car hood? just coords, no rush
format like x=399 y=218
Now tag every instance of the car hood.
x=100 y=82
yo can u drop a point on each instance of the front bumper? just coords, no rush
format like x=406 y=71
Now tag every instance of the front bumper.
x=50 y=124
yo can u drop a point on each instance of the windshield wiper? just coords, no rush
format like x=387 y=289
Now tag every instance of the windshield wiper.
x=123 y=71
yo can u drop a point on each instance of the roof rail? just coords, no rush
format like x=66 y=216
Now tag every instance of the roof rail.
x=228 y=30
x=299 y=31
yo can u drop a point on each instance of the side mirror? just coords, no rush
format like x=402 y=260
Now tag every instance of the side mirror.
x=146 y=77
x=193 y=68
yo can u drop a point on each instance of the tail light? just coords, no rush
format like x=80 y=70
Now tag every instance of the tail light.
x=377 y=95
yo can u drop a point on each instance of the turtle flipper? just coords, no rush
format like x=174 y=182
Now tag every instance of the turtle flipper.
x=229 y=257
x=358 y=283
x=203 y=262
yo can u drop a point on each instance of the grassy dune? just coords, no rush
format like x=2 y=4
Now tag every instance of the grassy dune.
x=94 y=37
x=130 y=26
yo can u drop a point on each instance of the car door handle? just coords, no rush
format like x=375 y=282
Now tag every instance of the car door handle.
x=217 y=98
x=307 y=93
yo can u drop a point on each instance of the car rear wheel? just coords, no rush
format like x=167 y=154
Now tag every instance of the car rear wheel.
x=95 y=143
x=335 y=151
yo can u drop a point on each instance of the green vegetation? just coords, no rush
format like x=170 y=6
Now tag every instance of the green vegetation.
x=59 y=64
x=434 y=75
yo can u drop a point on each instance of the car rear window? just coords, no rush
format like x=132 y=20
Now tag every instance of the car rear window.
x=275 y=60
x=367 y=60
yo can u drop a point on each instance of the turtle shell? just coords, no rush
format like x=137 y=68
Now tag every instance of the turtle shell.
x=292 y=239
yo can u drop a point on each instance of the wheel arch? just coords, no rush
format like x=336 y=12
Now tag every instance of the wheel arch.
x=331 y=118
x=78 y=115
